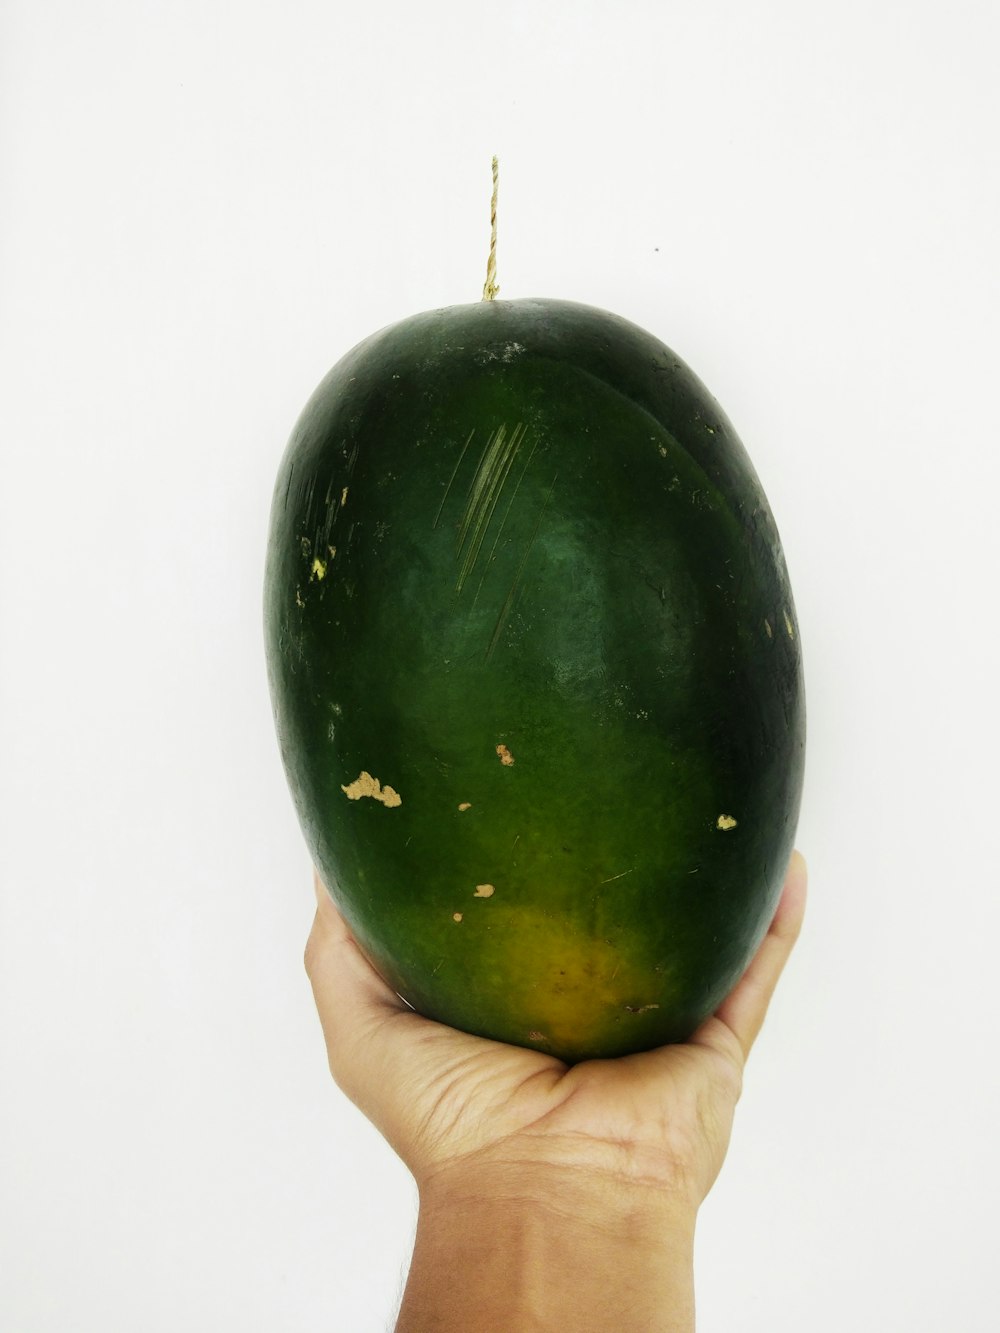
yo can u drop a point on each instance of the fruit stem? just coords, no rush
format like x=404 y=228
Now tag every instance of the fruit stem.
x=490 y=287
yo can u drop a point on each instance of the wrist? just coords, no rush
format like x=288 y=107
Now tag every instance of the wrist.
x=596 y=1172
x=588 y=1195
x=548 y=1247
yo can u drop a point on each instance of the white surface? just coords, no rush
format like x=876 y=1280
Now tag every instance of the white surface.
x=206 y=204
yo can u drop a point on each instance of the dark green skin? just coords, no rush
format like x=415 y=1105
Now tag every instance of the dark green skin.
x=552 y=541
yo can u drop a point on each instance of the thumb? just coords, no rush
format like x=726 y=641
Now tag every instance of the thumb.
x=352 y=1000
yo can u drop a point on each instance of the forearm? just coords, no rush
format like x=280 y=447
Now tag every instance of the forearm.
x=547 y=1252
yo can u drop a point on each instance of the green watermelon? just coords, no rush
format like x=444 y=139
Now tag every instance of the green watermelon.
x=536 y=674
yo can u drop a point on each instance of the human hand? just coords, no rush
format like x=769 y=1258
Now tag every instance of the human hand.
x=443 y=1098
x=614 y=1156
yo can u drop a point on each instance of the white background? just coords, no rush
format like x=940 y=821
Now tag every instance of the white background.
x=205 y=204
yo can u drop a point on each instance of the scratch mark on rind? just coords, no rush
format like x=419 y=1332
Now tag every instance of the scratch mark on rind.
x=310 y=494
x=612 y=878
x=493 y=501
x=503 y=521
x=447 y=489
x=509 y=599
x=484 y=494
x=471 y=492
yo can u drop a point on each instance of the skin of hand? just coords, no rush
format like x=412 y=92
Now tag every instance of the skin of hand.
x=479 y=1122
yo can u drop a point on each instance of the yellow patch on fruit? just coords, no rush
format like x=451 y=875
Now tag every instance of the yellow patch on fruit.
x=506 y=758
x=553 y=976
x=366 y=785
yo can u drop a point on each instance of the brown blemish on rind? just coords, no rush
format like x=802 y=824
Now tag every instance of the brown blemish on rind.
x=641 y=1009
x=456 y=916
x=298 y=598
x=506 y=758
x=538 y=1036
x=465 y=805
x=484 y=891
x=366 y=785
x=725 y=822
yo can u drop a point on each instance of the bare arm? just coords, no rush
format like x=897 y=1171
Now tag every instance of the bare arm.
x=537 y=1250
